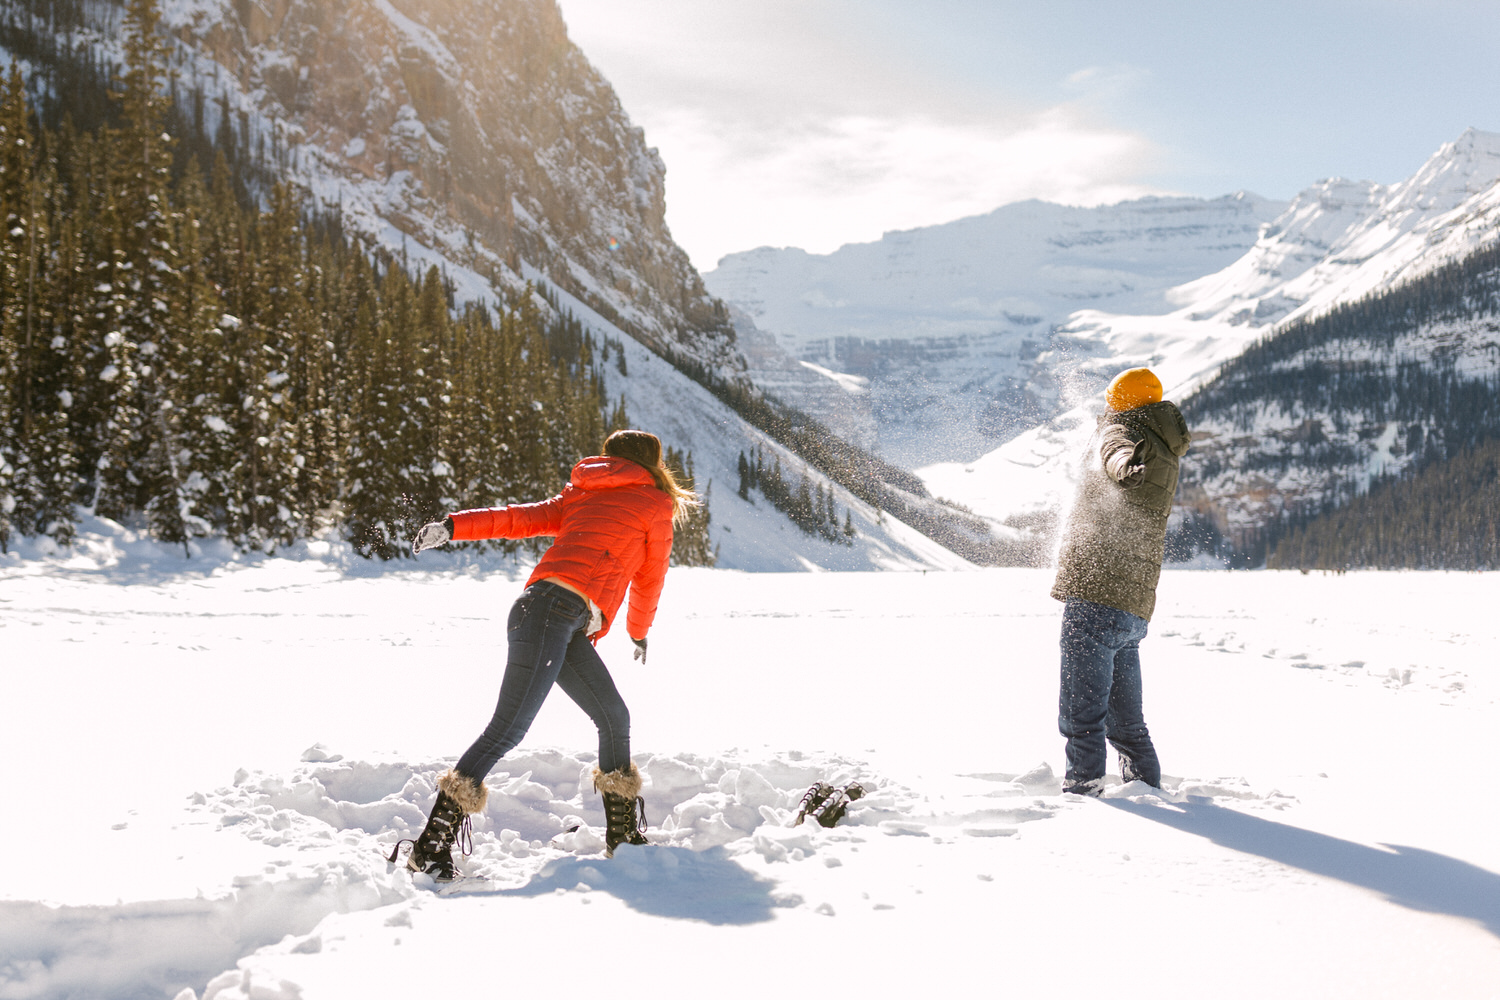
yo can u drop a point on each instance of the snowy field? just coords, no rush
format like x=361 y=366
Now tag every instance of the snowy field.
x=206 y=757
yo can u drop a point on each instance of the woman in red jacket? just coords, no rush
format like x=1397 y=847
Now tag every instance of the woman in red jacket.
x=613 y=528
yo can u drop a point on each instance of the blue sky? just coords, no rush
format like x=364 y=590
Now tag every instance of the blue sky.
x=815 y=123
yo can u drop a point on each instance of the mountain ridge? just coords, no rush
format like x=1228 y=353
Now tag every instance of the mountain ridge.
x=947 y=323
x=385 y=190
x=1338 y=243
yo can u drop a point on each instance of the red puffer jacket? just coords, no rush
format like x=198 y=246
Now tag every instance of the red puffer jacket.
x=613 y=528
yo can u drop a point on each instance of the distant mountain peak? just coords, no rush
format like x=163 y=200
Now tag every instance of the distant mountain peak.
x=1339 y=242
x=954 y=325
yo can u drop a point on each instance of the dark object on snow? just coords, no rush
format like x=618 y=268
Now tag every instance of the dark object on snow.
x=827 y=804
x=624 y=809
x=432 y=851
x=815 y=796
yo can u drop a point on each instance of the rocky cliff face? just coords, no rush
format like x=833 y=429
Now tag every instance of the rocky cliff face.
x=470 y=129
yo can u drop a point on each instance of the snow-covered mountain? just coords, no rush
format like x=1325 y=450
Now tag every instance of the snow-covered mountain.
x=1338 y=242
x=475 y=137
x=1379 y=387
x=943 y=340
x=472 y=130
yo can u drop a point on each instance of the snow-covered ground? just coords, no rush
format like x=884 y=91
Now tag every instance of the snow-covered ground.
x=206 y=757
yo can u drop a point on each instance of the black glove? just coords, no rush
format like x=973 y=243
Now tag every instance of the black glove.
x=640 y=650
x=432 y=535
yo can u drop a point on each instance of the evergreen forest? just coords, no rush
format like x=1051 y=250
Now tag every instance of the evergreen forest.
x=187 y=349
x=810 y=508
x=1444 y=517
x=1349 y=370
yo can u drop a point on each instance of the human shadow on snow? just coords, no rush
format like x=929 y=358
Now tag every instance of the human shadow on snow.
x=1410 y=876
x=666 y=882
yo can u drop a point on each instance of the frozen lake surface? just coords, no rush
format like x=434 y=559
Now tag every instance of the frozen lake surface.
x=206 y=757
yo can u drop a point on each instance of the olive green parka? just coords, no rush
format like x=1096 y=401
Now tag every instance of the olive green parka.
x=1117 y=530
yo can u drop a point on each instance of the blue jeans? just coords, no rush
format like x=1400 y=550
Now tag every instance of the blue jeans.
x=1101 y=692
x=548 y=646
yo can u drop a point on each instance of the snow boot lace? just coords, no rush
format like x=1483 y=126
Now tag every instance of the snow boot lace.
x=624 y=809
x=624 y=819
x=432 y=851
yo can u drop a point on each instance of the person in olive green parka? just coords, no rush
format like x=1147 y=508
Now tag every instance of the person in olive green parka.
x=1107 y=570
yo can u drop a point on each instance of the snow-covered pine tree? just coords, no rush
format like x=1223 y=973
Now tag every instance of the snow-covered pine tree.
x=691 y=545
x=198 y=422
x=743 y=468
x=477 y=446
x=139 y=466
x=619 y=419
x=802 y=511
x=315 y=375
x=56 y=359
x=16 y=180
x=215 y=243
x=378 y=453
x=278 y=324
x=213 y=366
x=432 y=490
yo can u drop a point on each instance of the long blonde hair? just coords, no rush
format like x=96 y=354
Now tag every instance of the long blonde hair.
x=644 y=449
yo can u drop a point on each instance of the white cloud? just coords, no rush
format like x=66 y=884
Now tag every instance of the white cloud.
x=1105 y=79
x=781 y=127
x=832 y=181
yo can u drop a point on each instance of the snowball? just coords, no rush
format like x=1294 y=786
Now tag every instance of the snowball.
x=318 y=754
x=750 y=789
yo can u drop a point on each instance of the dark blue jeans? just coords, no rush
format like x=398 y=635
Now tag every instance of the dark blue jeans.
x=547 y=646
x=1101 y=692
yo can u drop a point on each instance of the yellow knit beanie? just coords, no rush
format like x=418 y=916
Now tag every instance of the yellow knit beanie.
x=1132 y=388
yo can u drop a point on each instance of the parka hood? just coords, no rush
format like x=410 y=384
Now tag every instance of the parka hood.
x=604 y=472
x=1162 y=419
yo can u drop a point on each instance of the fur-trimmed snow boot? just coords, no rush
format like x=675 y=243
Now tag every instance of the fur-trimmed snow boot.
x=432 y=851
x=624 y=809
